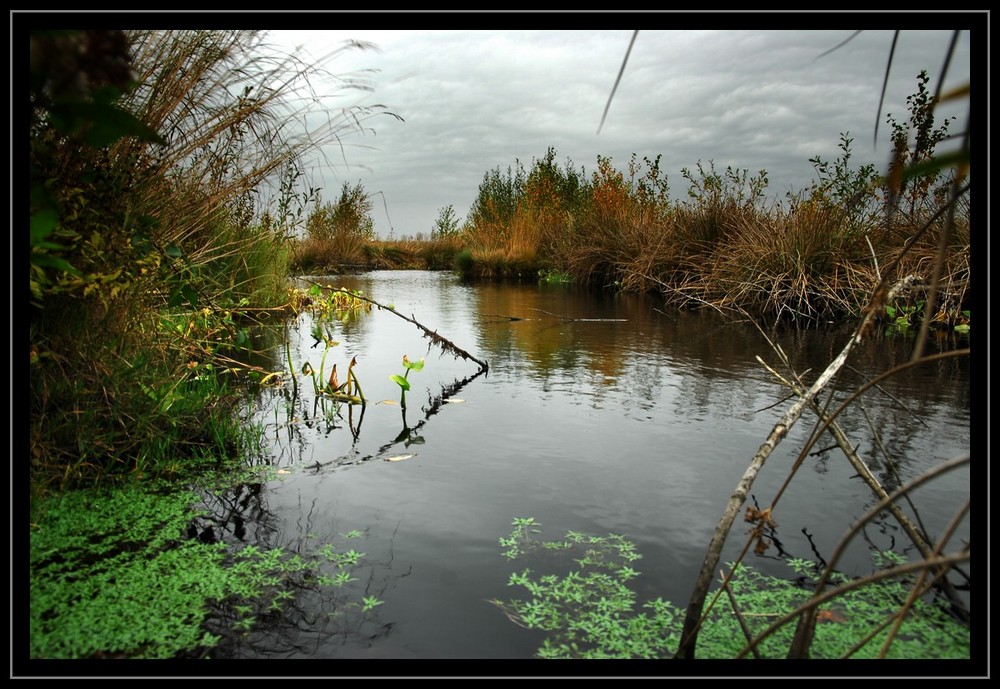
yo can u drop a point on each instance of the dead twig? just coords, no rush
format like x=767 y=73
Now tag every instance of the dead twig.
x=444 y=342
x=739 y=617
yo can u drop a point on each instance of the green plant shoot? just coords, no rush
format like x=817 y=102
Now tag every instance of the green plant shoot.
x=402 y=380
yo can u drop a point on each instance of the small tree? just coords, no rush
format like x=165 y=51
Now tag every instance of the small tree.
x=350 y=215
x=446 y=224
x=915 y=190
x=843 y=186
x=498 y=197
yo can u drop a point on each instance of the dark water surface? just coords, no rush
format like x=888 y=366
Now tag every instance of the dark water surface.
x=631 y=419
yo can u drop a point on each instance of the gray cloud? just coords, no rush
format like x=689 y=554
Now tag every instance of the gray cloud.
x=476 y=100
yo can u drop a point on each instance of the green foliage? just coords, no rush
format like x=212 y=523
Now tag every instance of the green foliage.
x=913 y=145
x=447 y=224
x=370 y=603
x=292 y=203
x=552 y=188
x=77 y=80
x=651 y=189
x=464 y=263
x=328 y=304
x=134 y=412
x=554 y=277
x=902 y=317
x=849 y=624
x=498 y=197
x=113 y=575
x=439 y=254
x=337 y=234
x=349 y=216
x=149 y=153
x=589 y=611
x=841 y=186
x=93 y=593
x=709 y=189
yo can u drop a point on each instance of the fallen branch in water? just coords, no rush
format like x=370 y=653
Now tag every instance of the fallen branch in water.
x=503 y=317
x=571 y=319
x=584 y=320
x=444 y=342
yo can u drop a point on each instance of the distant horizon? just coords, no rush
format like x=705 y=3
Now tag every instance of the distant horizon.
x=472 y=102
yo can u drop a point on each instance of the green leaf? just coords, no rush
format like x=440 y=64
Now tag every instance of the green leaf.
x=183 y=293
x=173 y=251
x=400 y=381
x=46 y=261
x=102 y=124
x=370 y=602
x=43 y=223
x=51 y=246
x=191 y=295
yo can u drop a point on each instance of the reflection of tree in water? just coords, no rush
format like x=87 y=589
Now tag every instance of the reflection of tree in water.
x=328 y=599
x=893 y=439
x=644 y=382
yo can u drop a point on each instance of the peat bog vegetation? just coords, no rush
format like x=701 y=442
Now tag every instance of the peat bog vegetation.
x=160 y=280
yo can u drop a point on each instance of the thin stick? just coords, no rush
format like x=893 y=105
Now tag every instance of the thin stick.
x=809 y=606
x=587 y=320
x=435 y=338
x=807 y=624
x=739 y=617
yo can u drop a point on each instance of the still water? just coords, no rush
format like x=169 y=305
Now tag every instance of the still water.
x=600 y=413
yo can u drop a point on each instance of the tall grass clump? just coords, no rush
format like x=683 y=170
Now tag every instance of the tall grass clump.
x=793 y=266
x=439 y=253
x=149 y=153
x=495 y=236
x=813 y=259
x=621 y=228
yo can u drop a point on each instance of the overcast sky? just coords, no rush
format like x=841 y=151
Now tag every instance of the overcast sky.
x=475 y=100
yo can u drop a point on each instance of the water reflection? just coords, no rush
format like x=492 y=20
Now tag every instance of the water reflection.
x=327 y=611
x=599 y=413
